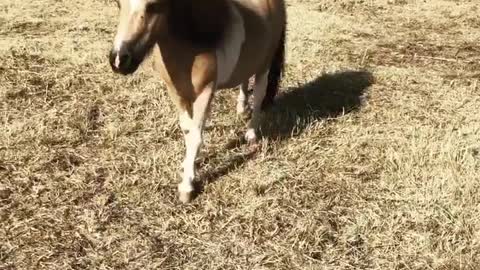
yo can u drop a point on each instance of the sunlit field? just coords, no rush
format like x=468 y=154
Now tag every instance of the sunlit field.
x=369 y=159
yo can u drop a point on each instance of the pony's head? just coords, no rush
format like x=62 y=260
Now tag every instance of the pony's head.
x=140 y=25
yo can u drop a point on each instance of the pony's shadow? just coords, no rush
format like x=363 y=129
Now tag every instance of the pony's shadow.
x=326 y=97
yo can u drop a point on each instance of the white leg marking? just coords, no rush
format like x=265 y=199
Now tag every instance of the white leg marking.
x=193 y=128
x=259 y=92
x=242 y=99
x=229 y=52
x=193 y=140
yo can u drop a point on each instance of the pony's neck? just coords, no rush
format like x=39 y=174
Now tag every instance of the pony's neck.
x=199 y=22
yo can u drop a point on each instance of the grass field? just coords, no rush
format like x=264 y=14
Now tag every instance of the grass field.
x=370 y=159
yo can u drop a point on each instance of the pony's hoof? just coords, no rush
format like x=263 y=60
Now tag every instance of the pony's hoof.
x=251 y=136
x=185 y=197
x=185 y=192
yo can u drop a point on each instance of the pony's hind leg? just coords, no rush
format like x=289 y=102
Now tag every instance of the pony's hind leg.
x=192 y=126
x=259 y=92
x=242 y=99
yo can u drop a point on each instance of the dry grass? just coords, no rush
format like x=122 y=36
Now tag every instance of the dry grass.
x=350 y=174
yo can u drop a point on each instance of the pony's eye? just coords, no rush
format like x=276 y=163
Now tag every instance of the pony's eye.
x=155 y=7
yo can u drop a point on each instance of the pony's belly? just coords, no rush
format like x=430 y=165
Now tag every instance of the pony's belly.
x=243 y=51
x=228 y=53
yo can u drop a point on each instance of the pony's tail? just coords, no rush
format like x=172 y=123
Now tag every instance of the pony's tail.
x=275 y=73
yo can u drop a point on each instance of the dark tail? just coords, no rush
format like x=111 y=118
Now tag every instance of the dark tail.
x=275 y=73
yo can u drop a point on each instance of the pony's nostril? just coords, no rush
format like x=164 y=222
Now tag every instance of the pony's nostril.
x=124 y=60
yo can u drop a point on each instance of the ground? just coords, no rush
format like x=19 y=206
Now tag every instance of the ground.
x=369 y=159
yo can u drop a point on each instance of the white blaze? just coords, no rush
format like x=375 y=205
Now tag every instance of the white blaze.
x=117 y=61
x=135 y=5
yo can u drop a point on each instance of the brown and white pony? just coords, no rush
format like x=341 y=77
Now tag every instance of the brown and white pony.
x=200 y=46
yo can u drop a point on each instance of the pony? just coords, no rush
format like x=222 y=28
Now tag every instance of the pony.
x=199 y=47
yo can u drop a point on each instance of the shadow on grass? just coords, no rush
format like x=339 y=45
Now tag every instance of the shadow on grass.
x=328 y=96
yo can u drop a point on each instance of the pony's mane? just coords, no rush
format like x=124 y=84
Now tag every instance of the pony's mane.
x=200 y=22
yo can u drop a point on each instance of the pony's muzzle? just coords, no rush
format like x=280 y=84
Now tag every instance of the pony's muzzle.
x=122 y=61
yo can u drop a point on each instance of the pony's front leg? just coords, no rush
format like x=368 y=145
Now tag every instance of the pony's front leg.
x=192 y=121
